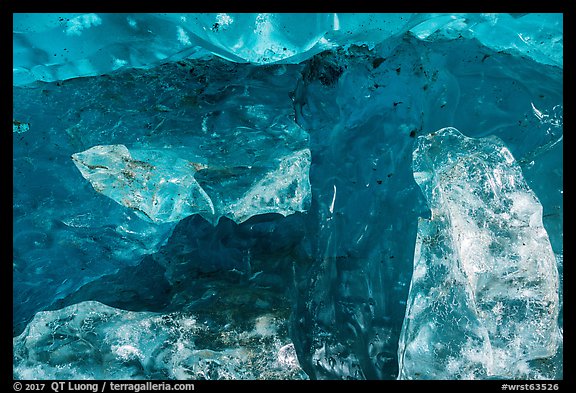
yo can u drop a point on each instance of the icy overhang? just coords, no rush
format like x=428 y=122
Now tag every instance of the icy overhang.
x=51 y=47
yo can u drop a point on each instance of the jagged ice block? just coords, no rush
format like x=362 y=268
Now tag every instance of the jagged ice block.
x=483 y=299
x=231 y=110
x=90 y=340
x=161 y=188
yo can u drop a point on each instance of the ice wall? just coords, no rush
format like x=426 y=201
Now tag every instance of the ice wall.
x=298 y=202
x=50 y=47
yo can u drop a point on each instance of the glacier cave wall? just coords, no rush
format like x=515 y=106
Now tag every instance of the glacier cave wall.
x=260 y=219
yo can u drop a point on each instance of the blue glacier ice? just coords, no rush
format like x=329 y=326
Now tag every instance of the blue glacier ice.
x=288 y=196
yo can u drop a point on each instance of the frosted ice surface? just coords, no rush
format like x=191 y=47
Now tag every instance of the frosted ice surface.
x=19 y=127
x=284 y=190
x=483 y=299
x=156 y=184
x=160 y=186
x=90 y=340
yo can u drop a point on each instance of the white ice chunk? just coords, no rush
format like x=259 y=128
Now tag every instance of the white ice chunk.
x=160 y=186
x=156 y=184
x=485 y=283
x=285 y=190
